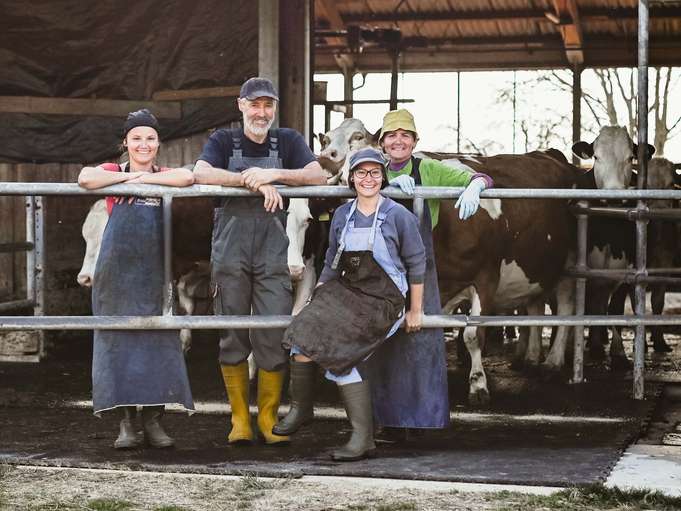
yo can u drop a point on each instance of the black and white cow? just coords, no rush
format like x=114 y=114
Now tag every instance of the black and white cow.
x=610 y=241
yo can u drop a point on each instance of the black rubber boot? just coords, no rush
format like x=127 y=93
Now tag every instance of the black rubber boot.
x=357 y=400
x=301 y=388
x=128 y=438
x=153 y=432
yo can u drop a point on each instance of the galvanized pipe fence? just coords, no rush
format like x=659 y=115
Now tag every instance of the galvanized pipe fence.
x=35 y=263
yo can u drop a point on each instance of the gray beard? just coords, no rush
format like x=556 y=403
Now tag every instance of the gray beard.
x=257 y=130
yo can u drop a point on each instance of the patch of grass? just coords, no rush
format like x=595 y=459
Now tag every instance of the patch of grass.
x=588 y=498
x=107 y=505
x=170 y=508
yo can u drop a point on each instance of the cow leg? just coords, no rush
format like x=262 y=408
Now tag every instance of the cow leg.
x=305 y=287
x=186 y=306
x=474 y=338
x=616 y=307
x=533 y=353
x=521 y=349
x=565 y=306
x=597 y=296
x=618 y=359
x=657 y=293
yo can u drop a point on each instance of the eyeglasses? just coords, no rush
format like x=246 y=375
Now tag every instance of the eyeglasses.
x=375 y=173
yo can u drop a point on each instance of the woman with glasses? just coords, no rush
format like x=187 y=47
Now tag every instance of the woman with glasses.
x=375 y=256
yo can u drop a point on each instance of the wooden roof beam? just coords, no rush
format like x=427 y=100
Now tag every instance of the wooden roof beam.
x=492 y=15
x=327 y=10
x=570 y=30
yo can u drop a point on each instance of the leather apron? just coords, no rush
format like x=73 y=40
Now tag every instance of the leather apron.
x=134 y=367
x=249 y=266
x=349 y=317
x=409 y=373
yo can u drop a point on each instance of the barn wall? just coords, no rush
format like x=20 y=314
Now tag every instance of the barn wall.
x=64 y=248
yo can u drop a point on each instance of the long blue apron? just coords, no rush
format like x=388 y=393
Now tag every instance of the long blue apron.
x=134 y=367
x=409 y=373
x=249 y=266
x=350 y=316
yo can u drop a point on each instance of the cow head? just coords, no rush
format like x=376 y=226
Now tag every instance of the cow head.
x=661 y=176
x=340 y=142
x=613 y=152
x=93 y=230
x=297 y=222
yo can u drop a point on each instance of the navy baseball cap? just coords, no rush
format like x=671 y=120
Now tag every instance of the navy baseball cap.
x=257 y=87
x=366 y=154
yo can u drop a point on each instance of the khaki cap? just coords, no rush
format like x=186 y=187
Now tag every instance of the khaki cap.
x=398 y=119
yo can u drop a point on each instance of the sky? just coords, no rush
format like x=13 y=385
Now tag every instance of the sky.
x=486 y=122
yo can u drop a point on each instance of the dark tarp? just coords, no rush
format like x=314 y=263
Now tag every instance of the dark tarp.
x=117 y=49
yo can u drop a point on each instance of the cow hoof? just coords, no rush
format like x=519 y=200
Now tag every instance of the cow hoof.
x=662 y=347
x=479 y=397
x=620 y=363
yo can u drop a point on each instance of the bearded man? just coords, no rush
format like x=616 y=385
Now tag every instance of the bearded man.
x=248 y=256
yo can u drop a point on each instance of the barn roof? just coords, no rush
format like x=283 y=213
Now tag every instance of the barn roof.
x=492 y=34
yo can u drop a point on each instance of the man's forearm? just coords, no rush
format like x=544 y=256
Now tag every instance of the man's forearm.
x=214 y=176
x=301 y=177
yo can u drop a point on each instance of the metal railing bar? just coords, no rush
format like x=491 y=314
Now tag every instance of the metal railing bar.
x=632 y=213
x=16 y=304
x=630 y=276
x=266 y=322
x=20 y=246
x=426 y=192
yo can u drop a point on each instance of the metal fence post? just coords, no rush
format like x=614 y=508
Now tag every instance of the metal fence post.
x=167 y=255
x=580 y=296
x=641 y=223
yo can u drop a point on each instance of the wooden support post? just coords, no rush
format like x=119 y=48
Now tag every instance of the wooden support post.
x=294 y=65
x=576 y=107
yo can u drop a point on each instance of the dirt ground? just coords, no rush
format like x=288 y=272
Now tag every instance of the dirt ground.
x=52 y=488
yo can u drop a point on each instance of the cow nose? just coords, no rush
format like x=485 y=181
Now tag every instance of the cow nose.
x=84 y=280
x=296 y=272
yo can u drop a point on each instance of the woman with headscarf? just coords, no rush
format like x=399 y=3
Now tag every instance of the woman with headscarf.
x=132 y=368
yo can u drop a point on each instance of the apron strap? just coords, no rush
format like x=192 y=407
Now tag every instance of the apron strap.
x=274 y=142
x=372 y=236
x=236 y=146
x=351 y=223
x=341 y=243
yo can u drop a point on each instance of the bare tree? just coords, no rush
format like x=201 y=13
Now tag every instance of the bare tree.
x=619 y=87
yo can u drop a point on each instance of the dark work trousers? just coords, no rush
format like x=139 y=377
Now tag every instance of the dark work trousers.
x=250 y=269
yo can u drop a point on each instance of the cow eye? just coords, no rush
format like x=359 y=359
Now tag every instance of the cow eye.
x=359 y=136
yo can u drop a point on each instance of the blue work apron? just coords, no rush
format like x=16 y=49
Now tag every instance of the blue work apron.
x=134 y=367
x=409 y=373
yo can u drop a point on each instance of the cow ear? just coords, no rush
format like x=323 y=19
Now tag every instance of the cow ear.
x=374 y=137
x=650 y=150
x=583 y=150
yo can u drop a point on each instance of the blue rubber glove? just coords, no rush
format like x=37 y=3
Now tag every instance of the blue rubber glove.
x=469 y=200
x=405 y=182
